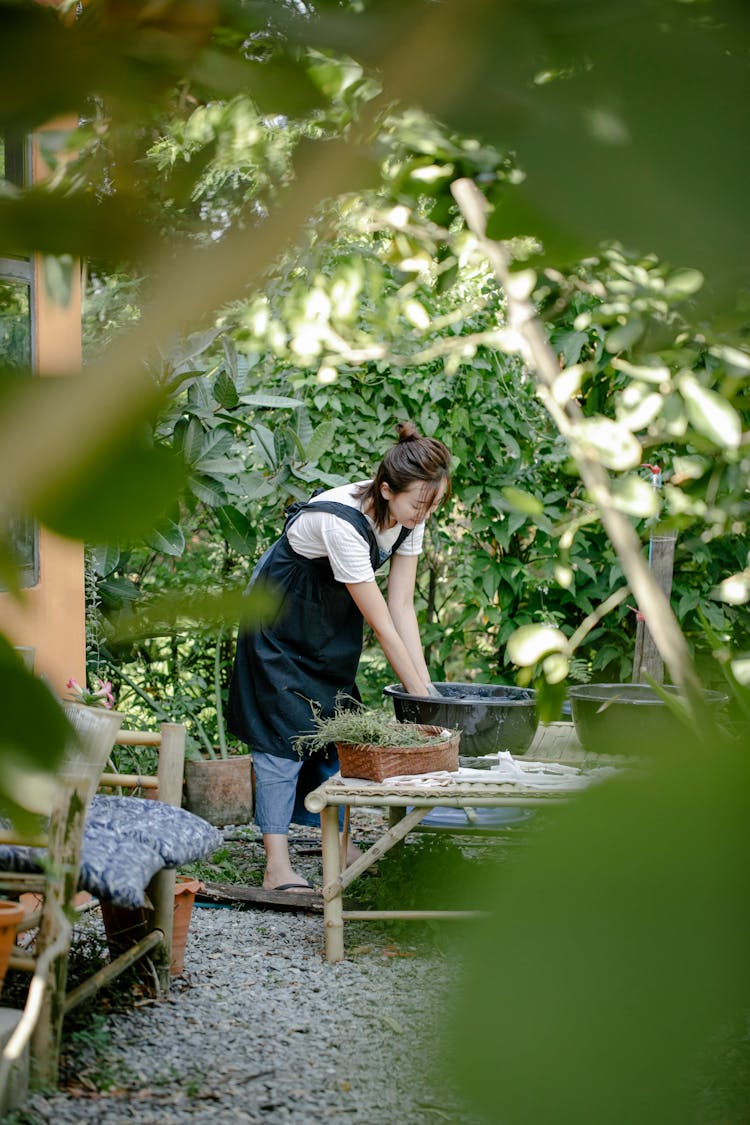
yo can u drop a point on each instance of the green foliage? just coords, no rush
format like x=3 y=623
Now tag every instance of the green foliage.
x=235 y=863
x=428 y=872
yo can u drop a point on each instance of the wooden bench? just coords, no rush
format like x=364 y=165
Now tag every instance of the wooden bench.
x=84 y=770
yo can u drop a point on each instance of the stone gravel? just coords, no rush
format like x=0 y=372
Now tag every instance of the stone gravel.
x=260 y=1028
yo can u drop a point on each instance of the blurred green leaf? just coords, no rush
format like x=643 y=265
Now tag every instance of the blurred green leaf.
x=623 y=336
x=530 y=643
x=522 y=501
x=251 y=607
x=606 y=106
x=635 y=496
x=40 y=220
x=33 y=733
x=613 y=442
x=124 y=492
x=711 y=414
x=626 y=923
x=58 y=278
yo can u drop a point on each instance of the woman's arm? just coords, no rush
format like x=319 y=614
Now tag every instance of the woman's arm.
x=402 y=579
x=371 y=604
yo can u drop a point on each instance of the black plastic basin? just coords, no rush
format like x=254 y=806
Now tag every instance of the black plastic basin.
x=628 y=719
x=491 y=717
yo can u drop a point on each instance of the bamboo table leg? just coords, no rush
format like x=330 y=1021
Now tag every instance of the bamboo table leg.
x=332 y=908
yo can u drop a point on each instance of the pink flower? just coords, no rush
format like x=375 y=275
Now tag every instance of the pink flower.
x=104 y=693
x=102 y=696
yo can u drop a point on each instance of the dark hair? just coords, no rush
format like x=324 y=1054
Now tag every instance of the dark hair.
x=412 y=458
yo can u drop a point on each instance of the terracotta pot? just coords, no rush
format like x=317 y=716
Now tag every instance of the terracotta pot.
x=220 y=790
x=11 y=913
x=185 y=891
x=126 y=925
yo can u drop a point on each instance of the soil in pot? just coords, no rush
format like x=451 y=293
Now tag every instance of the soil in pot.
x=628 y=719
x=220 y=790
x=491 y=717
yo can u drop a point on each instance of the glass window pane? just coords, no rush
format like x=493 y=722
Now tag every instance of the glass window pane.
x=15 y=355
x=12 y=159
x=15 y=325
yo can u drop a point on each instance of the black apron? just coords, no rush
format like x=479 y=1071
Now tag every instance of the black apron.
x=309 y=652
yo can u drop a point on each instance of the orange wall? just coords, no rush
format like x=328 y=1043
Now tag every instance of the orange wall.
x=52 y=614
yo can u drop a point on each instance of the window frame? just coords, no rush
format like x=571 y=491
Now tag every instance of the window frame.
x=17 y=168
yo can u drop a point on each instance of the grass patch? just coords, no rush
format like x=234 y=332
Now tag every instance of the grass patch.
x=237 y=862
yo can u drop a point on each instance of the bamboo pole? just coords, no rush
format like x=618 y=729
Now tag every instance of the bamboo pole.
x=128 y=781
x=138 y=738
x=162 y=886
x=113 y=969
x=36 y=996
x=452 y=796
x=331 y=847
x=382 y=845
x=406 y=915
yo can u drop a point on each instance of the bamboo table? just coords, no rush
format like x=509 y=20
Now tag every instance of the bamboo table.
x=555 y=742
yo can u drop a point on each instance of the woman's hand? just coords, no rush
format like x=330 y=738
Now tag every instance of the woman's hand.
x=372 y=606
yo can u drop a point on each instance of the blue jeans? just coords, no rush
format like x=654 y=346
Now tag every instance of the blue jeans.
x=281 y=785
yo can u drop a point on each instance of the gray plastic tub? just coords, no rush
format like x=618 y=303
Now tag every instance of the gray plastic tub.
x=628 y=719
x=491 y=717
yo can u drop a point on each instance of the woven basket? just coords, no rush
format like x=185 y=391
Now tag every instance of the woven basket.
x=376 y=763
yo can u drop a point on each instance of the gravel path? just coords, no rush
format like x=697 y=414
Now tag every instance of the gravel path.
x=261 y=1029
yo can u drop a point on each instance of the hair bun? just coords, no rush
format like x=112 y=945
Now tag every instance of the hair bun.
x=407 y=431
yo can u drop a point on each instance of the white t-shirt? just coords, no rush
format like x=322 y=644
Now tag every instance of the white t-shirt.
x=316 y=535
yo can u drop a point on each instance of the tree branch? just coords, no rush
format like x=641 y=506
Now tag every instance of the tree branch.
x=540 y=357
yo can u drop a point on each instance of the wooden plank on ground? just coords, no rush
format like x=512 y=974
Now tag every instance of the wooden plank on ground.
x=240 y=894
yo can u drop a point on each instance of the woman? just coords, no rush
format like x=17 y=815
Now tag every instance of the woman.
x=324 y=564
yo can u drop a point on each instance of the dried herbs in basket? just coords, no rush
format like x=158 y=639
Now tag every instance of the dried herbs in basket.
x=374 y=745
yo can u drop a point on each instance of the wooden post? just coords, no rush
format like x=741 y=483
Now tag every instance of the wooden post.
x=332 y=908
x=646 y=660
x=171 y=758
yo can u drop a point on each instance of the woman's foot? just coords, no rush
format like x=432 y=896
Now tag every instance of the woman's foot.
x=278 y=879
x=302 y=888
x=279 y=873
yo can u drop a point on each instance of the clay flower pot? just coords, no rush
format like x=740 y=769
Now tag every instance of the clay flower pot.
x=125 y=925
x=185 y=891
x=220 y=790
x=11 y=914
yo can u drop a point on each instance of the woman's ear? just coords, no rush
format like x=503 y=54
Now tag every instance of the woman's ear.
x=386 y=491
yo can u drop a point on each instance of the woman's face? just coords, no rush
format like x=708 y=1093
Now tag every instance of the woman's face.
x=414 y=504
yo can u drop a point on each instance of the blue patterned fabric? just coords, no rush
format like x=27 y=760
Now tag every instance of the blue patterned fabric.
x=125 y=842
